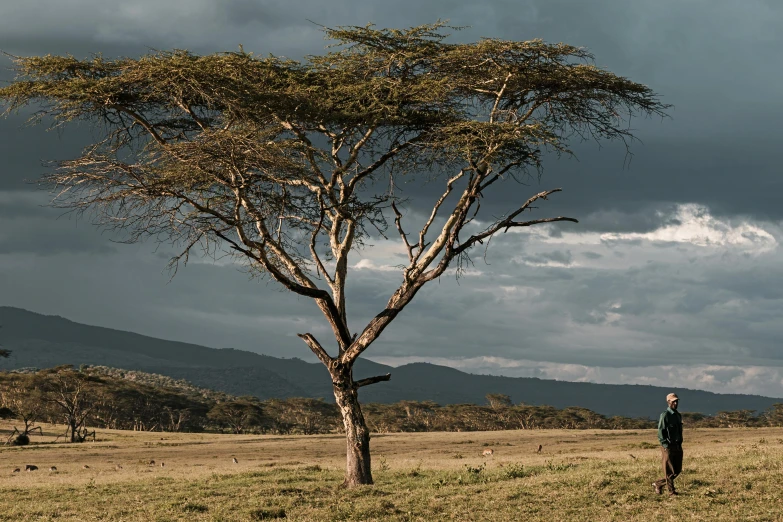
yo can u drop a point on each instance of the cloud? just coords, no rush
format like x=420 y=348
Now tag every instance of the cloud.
x=694 y=302
x=693 y=224
x=558 y=258
x=28 y=227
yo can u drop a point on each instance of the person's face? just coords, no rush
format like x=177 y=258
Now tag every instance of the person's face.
x=674 y=403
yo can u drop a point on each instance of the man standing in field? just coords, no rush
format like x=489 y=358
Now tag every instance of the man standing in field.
x=670 y=436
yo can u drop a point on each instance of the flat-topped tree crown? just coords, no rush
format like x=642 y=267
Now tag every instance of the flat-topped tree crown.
x=275 y=161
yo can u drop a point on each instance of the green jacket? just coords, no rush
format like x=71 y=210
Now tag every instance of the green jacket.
x=670 y=428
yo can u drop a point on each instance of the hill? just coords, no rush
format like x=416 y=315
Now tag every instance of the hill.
x=44 y=341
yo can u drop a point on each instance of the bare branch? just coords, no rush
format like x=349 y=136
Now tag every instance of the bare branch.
x=377 y=164
x=497 y=176
x=479 y=239
x=140 y=120
x=192 y=114
x=449 y=186
x=404 y=237
x=354 y=154
x=174 y=261
x=317 y=349
x=309 y=148
x=509 y=222
x=498 y=98
x=372 y=380
x=313 y=253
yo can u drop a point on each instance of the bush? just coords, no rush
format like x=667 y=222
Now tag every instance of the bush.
x=21 y=440
x=514 y=471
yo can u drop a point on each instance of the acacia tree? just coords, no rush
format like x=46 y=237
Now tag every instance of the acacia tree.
x=72 y=396
x=277 y=161
x=21 y=397
x=238 y=414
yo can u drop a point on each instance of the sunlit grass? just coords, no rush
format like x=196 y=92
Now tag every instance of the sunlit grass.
x=579 y=475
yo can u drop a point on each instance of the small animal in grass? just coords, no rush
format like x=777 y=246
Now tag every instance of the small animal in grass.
x=162 y=464
x=86 y=466
x=16 y=470
x=151 y=463
x=488 y=452
x=234 y=460
x=30 y=467
x=540 y=447
x=53 y=468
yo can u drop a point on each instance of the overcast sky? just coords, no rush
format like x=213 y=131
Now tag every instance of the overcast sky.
x=673 y=277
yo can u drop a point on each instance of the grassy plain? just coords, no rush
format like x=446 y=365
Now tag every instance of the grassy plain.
x=730 y=474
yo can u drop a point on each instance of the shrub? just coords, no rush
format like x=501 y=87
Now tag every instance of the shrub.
x=21 y=440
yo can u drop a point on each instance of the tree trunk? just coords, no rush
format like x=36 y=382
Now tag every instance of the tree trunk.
x=357 y=435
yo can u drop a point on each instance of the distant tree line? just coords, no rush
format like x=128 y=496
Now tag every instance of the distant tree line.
x=86 y=398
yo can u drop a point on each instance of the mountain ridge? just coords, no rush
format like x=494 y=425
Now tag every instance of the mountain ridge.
x=39 y=340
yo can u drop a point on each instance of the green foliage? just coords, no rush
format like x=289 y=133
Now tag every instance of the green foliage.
x=513 y=471
x=559 y=466
x=498 y=401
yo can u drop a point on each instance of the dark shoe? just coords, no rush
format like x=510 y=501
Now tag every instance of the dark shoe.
x=673 y=493
x=658 y=489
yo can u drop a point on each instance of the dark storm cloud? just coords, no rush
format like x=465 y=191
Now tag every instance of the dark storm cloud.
x=27 y=152
x=557 y=256
x=46 y=240
x=29 y=226
x=715 y=149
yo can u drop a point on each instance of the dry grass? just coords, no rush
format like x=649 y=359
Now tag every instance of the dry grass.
x=579 y=475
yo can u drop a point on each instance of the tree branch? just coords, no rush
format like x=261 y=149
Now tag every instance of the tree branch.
x=313 y=237
x=397 y=219
x=192 y=114
x=140 y=120
x=474 y=239
x=509 y=222
x=498 y=98
x=372 y=380
x=377 y=164
x=425 y=229
x=342 y=168
x=317 y=349
x=309 y=147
